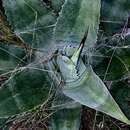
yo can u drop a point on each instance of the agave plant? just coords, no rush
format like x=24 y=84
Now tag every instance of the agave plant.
x=55 y=58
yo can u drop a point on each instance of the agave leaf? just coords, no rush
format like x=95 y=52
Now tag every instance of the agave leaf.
x=67 y=115
x=118 y=76
x=84 y=86
x=89 y=90
x=114 y=15
x=66 y=119
x=10 y=58
x=30 y=20
x=26 y=88
x=75 y=17
x=121 y=94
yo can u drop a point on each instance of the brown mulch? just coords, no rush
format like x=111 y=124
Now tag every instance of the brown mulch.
x=88 y=118
x=3 y=79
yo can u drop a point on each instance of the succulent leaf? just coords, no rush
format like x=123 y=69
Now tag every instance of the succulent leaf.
x=74 y=19
x=89 y=90
x=25 y=89
x=66 y=119
x=11 y=57
x=30 y=20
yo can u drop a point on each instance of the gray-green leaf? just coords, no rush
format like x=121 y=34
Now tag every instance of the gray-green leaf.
x=89 y=90
x=66 y=119
x=30 y=20
x=75 y=17
x=25 y=89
